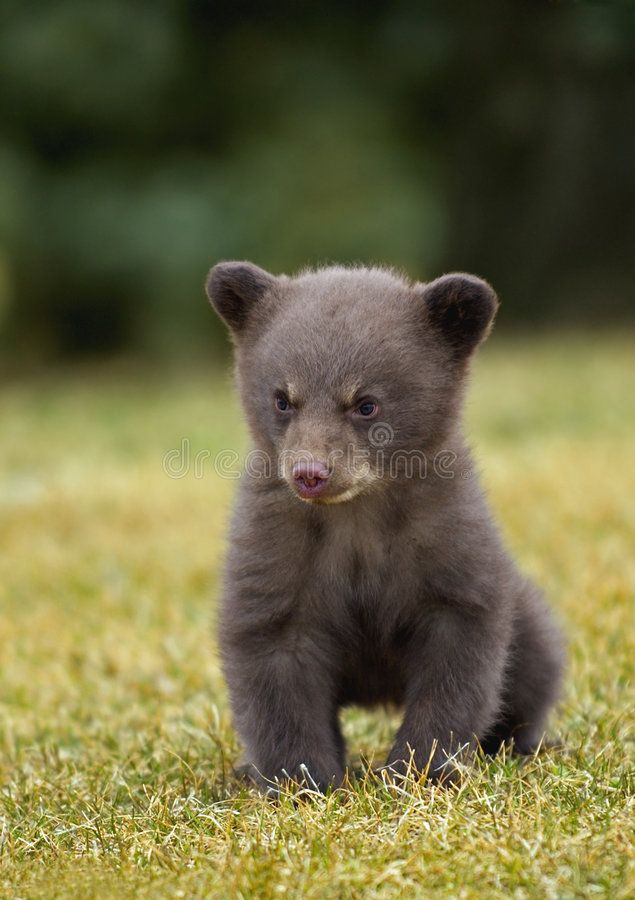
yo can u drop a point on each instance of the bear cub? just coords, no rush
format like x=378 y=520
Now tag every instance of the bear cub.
x=364 y=565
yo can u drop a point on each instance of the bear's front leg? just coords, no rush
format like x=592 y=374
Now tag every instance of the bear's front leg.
x=455 y=669
x=284 y=712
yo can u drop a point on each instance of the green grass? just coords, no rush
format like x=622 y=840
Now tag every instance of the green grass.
x=116 y=743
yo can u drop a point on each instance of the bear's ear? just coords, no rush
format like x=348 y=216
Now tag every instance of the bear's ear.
x=234 y=288
x=461 y=308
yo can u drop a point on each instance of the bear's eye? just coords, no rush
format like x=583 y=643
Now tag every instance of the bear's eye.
x=367 y=408
x=282 y=403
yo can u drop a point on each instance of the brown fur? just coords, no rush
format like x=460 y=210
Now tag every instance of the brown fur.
x=389 y=586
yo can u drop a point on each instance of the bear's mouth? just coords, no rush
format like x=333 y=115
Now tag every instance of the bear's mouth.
x=323 y=494
x=317 y=482
x=310 y=488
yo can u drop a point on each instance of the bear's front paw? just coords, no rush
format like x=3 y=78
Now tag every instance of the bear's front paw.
x=249 y=775
x=300 y=776
x=435 y=768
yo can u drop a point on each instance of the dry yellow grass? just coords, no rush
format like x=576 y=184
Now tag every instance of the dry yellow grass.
x=115 y=738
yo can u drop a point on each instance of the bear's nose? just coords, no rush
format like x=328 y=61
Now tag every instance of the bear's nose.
x=310 y=477
x=311 y=472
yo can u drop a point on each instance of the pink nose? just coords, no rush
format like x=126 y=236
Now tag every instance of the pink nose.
x=310 y=478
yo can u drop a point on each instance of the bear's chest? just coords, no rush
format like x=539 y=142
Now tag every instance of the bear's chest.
x=365 y=556
x=355 y=560
x=367 y=581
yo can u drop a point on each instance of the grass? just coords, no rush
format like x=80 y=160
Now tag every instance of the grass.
x=116 y=743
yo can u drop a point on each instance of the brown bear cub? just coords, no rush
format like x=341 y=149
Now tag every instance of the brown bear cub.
x=364 y=565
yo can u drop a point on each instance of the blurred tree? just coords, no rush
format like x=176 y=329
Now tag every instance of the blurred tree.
x=140 y=143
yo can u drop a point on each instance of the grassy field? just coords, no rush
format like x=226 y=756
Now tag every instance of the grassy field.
x=116 y=744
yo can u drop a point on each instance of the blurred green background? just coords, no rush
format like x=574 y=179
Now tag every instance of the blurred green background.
x=142 y=142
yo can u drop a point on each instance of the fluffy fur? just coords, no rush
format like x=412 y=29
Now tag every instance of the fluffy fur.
x=393 y=586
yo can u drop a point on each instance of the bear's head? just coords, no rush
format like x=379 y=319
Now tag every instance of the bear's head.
x=347 y=374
